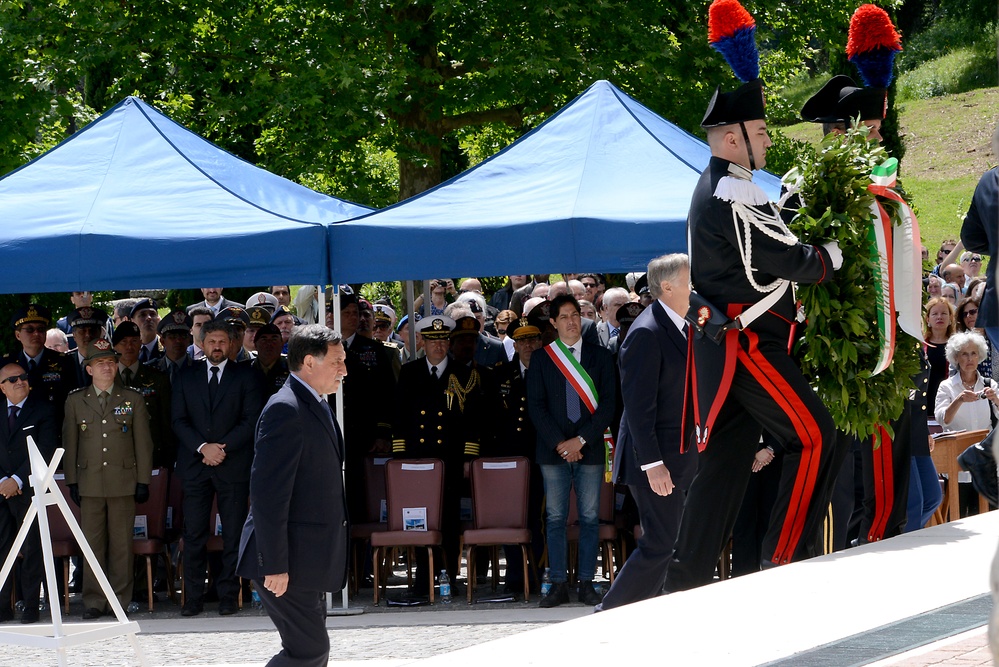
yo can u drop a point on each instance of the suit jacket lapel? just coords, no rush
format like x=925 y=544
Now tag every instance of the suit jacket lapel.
x=323 y=413
x=666 y=324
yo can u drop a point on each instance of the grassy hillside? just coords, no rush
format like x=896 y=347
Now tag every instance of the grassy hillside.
x=947 y=141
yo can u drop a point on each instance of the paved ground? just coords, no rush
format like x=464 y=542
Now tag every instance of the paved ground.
x=886 y=604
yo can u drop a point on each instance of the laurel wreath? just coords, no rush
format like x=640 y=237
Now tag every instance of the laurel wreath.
x=839 y=349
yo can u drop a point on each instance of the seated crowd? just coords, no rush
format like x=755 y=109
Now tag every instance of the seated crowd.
x=125 y=391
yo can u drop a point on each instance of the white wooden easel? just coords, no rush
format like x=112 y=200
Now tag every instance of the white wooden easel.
x=60 y=636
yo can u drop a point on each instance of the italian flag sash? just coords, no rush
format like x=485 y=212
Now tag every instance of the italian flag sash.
x=895 y=253
x=581 y=381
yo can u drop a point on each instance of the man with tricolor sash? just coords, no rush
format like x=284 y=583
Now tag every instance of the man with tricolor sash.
x=570 y=397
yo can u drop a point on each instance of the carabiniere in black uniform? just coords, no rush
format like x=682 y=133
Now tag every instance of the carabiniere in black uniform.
x=740 y=251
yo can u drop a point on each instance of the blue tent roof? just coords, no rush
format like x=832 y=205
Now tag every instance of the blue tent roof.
x=602 y=185
x=135 y=200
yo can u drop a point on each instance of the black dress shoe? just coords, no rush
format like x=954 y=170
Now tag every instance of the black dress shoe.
x=92 y=613
x=30 y=614
x=192 y=608
x=588 y=595
x=228 y=607
x=559 y=594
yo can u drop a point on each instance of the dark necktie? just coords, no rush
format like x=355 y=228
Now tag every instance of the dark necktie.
x=684 y=330
x=433 y=372
x=614 y=331
x=32 y=365
x=143 y=354
x=213 y=385
x=571 y=397
x=102 y=398
x=12 y=418
x=127 y=375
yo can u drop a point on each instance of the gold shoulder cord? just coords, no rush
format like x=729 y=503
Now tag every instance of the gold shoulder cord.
x=454 y=389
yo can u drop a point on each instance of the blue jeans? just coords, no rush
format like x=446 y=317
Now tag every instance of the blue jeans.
x=586 y=479
x=924 y=493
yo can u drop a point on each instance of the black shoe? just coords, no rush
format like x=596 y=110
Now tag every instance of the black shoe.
x=559 y=594
x=92 y=613
x=30 y=614
x=192 y=608
x=588 y=595
x=228 y=607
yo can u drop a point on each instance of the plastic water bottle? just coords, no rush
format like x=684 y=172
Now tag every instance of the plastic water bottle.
x=255 y=602
x=445 y=583
x=546 y=583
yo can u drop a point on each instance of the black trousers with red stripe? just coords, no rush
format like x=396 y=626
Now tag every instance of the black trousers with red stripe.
x=768 y=391
x=886 y=481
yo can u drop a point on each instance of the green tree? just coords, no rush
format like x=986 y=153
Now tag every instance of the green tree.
x=370 y=101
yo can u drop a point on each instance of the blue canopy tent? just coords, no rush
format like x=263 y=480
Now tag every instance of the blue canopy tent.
x=136 y=200
x=602 y=185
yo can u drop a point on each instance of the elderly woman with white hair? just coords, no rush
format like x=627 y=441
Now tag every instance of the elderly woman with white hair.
x=966 y=400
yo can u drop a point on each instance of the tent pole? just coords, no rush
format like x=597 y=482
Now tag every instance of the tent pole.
x=411 y=299
x=339 y=401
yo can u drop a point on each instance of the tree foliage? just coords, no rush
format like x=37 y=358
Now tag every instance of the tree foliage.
x=369 y=100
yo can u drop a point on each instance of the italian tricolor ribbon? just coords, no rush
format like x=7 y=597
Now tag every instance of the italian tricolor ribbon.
x=581 y=381
x=895 y=253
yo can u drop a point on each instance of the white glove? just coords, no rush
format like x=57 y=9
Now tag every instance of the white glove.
x=835 y=254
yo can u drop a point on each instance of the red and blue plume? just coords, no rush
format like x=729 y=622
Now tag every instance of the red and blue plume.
x=872 y=45
x=732 y=32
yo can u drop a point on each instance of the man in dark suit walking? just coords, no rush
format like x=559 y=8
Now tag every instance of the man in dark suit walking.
x=653 y=358
x=215 y=405
x=570 y=398
x=26 y=416
x=294 y=543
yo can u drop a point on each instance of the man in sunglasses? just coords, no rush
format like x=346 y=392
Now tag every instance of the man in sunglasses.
x=50 y=374
x=25 y=416
x=971 y=262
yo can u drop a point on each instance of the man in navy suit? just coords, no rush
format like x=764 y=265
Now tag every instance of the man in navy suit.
x=294 y=543
x=215 y=405
x=653 y=358
x=570 y=398
x=24 y=416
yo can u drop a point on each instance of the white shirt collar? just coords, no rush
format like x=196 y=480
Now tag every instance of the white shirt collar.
x=221 y=368
x=577 y=347
x=674 y=316
x=441 y=367
x=309 y=387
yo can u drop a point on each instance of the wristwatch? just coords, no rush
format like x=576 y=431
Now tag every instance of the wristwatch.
x=582 y=440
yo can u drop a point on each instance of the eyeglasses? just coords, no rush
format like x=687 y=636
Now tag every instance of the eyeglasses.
x=975 y=258
x=23 y=377
x=970 y=311
x=589 y=285
x=381 y=325
x=33 y=330
x=502 y=332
